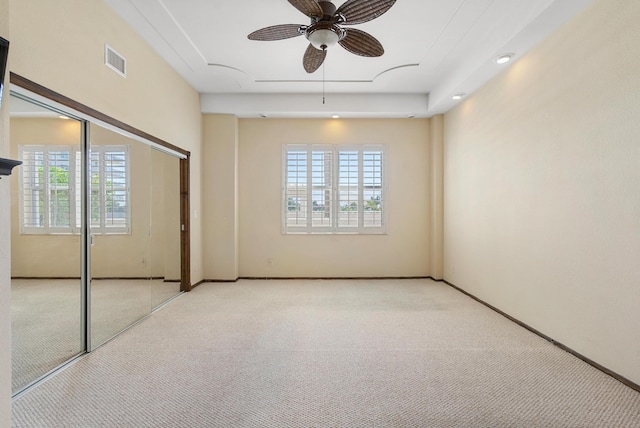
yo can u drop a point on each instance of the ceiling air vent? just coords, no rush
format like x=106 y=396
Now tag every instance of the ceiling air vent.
x=115 y=61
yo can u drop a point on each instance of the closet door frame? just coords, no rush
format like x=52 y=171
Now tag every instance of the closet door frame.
x=89 y=115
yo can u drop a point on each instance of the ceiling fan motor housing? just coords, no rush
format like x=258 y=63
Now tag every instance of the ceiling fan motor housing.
x=324 y=32
x=328 y=10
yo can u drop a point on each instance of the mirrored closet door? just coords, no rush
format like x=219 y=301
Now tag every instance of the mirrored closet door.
x=165 y=227
x=135 y=231
x=46 y=290
x=120 y=227
x=97 y=240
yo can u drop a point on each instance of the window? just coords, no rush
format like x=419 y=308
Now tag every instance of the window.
x=333 y=189
x=50 y=193
x=109 y=189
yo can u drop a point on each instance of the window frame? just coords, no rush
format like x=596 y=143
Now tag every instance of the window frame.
x=45 y=187
x=103 y=229
x=74 y=190
x=335 y=189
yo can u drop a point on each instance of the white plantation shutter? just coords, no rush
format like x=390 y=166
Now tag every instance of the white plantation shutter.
x=372 y=180
x=321 y=189
x=47 y=189
x=333 y=189
x=32 y=189
x=78 y=191
x=349 y=190
x=295 y=189
x=60 y=177
x=110 y=206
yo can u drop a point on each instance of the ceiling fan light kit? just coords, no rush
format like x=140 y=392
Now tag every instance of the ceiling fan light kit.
x=326 y=28
x=324 y=36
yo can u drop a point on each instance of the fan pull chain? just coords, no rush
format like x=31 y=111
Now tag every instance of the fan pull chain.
x=323 y=81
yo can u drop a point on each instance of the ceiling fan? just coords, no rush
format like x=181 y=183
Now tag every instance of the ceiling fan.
x=326 y=28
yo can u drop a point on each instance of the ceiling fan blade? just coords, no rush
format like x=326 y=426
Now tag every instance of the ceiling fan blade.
x=313 y=59
x=310 y=8
x=359 y=11
x=360 y=43
x=276 y=32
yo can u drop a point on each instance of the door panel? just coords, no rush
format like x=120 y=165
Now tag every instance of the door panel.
x=46 y=290
x=122 y=265
x=165 y=226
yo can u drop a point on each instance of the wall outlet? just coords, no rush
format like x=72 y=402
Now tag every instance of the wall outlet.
x=270 y=262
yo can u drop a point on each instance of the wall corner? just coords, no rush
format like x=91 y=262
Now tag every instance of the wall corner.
x=437 y=196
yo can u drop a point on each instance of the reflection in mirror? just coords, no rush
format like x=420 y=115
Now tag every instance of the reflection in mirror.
x=165 y=227
x=135 y=228
x=120 y=207
x=46 y=292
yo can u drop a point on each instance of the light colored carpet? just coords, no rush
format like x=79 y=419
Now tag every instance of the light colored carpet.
x=405 y=353
x=46 y=318
x=45 y=327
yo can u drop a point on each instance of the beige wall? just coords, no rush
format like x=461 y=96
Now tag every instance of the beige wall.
x=220 y=201
x=5 y=249
x=265 y=252
x=542 y=165
x=153 y=98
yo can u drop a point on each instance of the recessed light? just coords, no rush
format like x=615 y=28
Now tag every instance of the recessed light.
x=411 y=116
x=504 y=58
x=63 y=117
x=335 y=116
x=458 y=96
x=263 y=115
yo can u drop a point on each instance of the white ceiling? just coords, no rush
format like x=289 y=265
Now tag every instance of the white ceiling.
x=433 y=49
